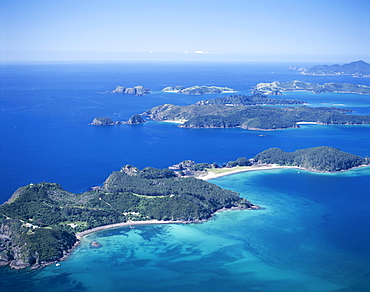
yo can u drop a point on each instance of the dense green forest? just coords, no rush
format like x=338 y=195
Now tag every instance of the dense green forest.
x=323 y=158
x=255 y=99
x=39 y=222
x=252 y=117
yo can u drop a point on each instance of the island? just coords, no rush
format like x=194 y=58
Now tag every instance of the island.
x=106 y=121
x=252 y=117
x=41 y=223
x=198 y=90
x=255 y=99
x=276 y=87
x=356 y=69
x=137 y=90
x=135 y=120
x=103 y=121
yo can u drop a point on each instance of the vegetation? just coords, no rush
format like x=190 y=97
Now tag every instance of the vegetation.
x=198 y=90
x=255 y=99
x=358 y=68
x=276 y=87
x=323 y=158
x=38 y=224
x=253 y=117
x=241 y=161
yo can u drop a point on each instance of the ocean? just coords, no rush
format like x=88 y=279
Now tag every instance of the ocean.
x=311 y=235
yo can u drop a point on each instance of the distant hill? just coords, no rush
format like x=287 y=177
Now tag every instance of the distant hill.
x=252 y=117
x=276 y=87
x=356 y=69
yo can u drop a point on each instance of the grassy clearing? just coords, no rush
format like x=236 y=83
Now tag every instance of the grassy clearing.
x=224 y=170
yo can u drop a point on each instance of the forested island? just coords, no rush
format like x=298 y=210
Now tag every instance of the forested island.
x=252 y=117
x=356 y=69
x=276 y=87
x=198 y=90
x=39 y=223
x=255 y=99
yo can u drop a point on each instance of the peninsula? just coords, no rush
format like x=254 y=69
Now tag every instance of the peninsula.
x=41 y=223
x=198 y=90
x=38 y=224
x=276 y=87
x=356 y=69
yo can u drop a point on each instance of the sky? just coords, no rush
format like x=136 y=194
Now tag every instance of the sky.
x=185 y=30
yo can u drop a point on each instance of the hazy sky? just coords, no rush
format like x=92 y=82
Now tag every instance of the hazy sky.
x=256 y=30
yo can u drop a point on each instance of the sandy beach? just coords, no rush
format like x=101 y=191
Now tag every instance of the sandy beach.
x=208 y=176
x=233 y=170
x=173 y=121
x=79 y=235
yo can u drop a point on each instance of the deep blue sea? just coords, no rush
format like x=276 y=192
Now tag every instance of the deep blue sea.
x=312 y=235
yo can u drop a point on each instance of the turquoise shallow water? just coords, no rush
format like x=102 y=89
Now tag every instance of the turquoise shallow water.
x=312 y=234
x=311 y=238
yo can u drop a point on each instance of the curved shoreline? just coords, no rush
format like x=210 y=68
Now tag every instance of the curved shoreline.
x=208 y=176
x=234 y=170
x=81 y=234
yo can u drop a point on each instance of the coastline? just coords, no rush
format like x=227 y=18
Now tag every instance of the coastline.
x=208 y=176
x=212 y=175
x=81 y=234
x=239 y=169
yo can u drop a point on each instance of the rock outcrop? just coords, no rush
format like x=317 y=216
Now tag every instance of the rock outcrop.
x=103 y=121
x=137 y=90
x=135 y=120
